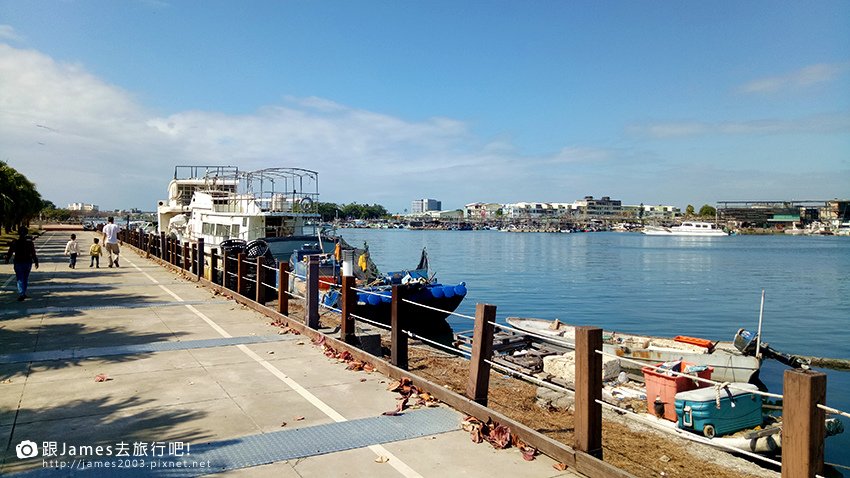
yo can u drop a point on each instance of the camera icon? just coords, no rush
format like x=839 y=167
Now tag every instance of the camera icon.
x=26 y=449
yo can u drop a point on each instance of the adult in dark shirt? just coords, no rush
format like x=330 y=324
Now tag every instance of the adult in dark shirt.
x=24 y=251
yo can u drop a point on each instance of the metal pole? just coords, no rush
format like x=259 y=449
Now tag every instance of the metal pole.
x=758 y=332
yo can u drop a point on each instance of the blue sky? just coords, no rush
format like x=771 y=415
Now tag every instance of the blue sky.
x=655 y=102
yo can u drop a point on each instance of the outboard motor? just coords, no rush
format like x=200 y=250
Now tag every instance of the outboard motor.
x=745 y=342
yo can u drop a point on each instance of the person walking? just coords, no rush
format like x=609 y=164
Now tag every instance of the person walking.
x=95 y=252
x=72 y=249
x=24 y=251
x=110 y=240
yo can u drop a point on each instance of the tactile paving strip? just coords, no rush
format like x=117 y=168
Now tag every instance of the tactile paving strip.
x=163 y=346
x=262 y=449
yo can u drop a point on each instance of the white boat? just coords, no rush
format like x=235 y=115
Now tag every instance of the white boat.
x=687 y=228
x=729 y=364
x=219 y=203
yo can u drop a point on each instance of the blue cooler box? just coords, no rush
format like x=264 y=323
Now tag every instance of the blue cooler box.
x=697 y=410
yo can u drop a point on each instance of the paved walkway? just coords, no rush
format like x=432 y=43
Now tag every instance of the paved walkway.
x=192 y=384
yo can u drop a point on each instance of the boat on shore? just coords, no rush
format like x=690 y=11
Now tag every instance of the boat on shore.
x=729 y=363
x=687 y=228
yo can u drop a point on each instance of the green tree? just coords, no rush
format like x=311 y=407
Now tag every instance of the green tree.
x=707 y=211
x=20 y=202
x=689 y=211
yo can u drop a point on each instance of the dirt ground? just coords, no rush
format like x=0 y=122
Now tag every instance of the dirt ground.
x=630 y=446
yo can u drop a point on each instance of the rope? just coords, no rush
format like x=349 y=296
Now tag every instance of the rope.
x=330 y=308
x=269 y=286
x=833 y=411
x=297 y=296
x=681 y=374
x=690 y=436
x=270 y=267
x=372 y=322
x=298 y=276
x=436 y=309
x=367 y=291
x=535 y=380
x=451 y=350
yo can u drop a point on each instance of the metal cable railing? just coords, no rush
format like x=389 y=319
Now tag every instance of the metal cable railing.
x=833 y=411
x=534 y=380
x=454 y=351
x=532 y=334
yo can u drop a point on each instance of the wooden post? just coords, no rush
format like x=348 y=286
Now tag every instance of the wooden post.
x=194 y=259
x=312 y=292
x=349 y=301
x=202 y=258
x=225 y=268
x=187 y=258
x=588 y=412
x=173 y=246
x=260 y=291
x=482 y=350
x=163 y=248
x=398 y=352
x=240 y=273
x=213 y=265
x=283 y=288
x=803 y=428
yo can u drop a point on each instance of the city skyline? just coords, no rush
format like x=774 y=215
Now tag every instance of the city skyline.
x=495 y=102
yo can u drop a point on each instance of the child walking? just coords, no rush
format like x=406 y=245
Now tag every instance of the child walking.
x=95 y=252
x=72 y=249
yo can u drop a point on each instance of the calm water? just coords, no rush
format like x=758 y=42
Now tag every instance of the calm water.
x=706 y=287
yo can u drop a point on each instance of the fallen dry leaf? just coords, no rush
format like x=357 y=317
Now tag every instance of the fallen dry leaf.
x=298 y=419
x=9 y=380
x=381 y=459
x=101 y=377
x=559 y=466
x=283 y=424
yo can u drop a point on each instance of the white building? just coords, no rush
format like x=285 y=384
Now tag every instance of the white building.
x=605 y=207
x=425 y=205
x=78 y=206
x=481 y=211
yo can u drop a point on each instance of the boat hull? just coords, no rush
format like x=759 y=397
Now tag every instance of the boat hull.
x=729 y=364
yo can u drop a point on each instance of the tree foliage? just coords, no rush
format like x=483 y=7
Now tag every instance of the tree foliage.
x=707 y=211
x=20 y=202
x=689 y=211
x=330 y=211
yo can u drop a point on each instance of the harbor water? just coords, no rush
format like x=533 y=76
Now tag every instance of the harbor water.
x=666 y=286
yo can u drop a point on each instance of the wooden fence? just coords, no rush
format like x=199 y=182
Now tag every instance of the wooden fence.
x=803 y=422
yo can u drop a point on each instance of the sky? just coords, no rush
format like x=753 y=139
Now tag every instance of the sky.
x=654 y=102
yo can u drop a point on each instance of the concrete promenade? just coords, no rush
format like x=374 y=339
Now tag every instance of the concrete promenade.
x=173 y=380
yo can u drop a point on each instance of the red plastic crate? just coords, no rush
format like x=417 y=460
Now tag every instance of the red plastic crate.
x=665 y=387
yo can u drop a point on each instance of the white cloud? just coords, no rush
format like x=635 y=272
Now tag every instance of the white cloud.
x=817 y=124
x=8 y=33
x=802 y=78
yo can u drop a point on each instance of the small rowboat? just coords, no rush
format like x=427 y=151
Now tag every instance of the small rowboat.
x=729 y=364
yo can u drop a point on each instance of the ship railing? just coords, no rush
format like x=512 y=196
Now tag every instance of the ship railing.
x=803 y=407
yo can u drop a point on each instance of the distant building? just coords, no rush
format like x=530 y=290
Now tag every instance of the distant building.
x=78 y=206
x=602 y=208
x=651 y=212
x=419 y=206
x=779 y=214
x=483 y=211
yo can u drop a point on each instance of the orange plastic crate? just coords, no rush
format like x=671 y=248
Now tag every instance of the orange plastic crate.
x=665 y=387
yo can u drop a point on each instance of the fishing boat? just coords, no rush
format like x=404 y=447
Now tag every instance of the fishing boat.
x=687 y=228
x=374 y=289
x=729 y=363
